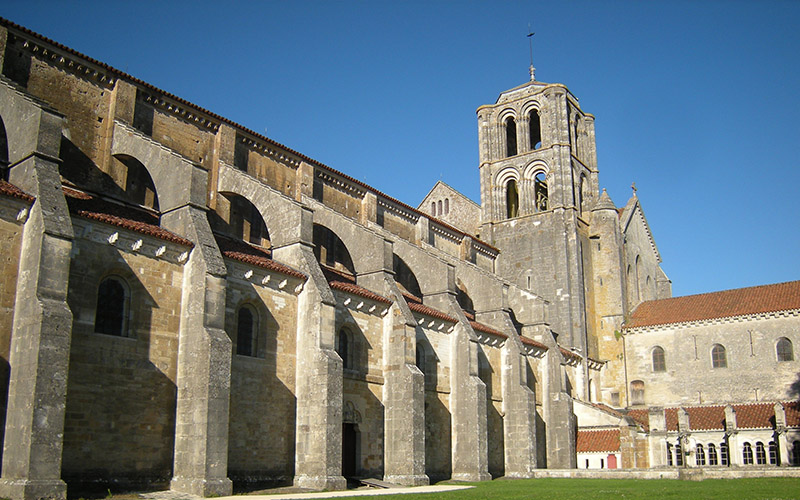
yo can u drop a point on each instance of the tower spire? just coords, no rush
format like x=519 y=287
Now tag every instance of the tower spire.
x=532 y=70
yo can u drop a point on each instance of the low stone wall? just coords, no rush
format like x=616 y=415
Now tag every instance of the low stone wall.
x=692 y=474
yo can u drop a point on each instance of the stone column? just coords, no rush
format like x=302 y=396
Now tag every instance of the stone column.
x=42 y=325
x=780 y=435
x=204 y=363
x=318 y=448
x=732 y=437
x=658 y=437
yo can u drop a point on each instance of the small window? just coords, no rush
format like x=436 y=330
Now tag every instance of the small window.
x=718 y=358
x=669 y=454
x=747 y=454
x=773 y=453
x=637 y=392
x=246 y=332
x=659 y=362
x=784 y=350
x=439 y=210
x=343 y=348
x=446 y=206
x=111 y=315
x=761 y=455
x=712 y=454
x=723 y=454
x=700 y=455
x=679 y=455
x=433 y=208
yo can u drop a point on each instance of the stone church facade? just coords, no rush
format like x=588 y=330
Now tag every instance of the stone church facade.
x=186 y=302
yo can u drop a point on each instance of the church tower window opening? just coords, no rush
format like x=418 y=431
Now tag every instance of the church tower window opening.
x=718 y=357
x=784 y=350
x=511 y=137
x=535 y=126
x=540 y=192
x=512 y=199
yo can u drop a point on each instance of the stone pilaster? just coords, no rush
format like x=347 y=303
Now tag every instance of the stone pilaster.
x=658 y=436
x=318 y=451
x=519 y=408
x=732 y=437
x=780 y=435
x=40 y=340
x=204 y=363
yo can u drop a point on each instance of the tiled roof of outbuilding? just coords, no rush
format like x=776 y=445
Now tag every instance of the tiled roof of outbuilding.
x=748 y=416
x=8 y=189
x=253 y=255
x=724 y=304
x=344 y=282
x=641 y=417
x=598 y=441
x=125 y=216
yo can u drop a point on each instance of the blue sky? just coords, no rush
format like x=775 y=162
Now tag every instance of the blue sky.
x=697 y=102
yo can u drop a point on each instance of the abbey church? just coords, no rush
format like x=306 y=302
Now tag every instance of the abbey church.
x=188 y=304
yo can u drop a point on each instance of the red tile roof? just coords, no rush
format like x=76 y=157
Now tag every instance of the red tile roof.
x=125 y=216
x=254 y=255
x=641 y=417
x=481 y=327
x=755 y=416
x=598 y=441
x=416 y=305
x=122 y=74
x=531 y=342
x=724 y=304
x=10 y=190
x=344 y=282
x=792 y=411
x=569 y=354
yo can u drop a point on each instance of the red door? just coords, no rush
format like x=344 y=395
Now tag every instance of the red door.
x=612 y=461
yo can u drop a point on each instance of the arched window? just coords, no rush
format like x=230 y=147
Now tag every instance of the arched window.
x=446 y=206
x=433 y=208
x=659 y=361
x=747 y=454
x=700 y=455
x=761 y=455
x=512 y=199
x=669 y=454
x=246 y=332
x=784 y=349
x=796 y=453
x=511 y=137
x=718 y=358
x=637 y=392
x=439 y=207
x=637 y=277
x=712 y=454
x=540 y=192
x=723 y=454
x=344 y=348
x=679 y=455
x=536 y=129
x=575 y=136
x=773 y=453
x=111 y=315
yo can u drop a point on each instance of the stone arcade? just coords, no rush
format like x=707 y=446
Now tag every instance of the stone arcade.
x=186 y=302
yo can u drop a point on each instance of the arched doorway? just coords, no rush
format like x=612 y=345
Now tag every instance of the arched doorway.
x=351 y=440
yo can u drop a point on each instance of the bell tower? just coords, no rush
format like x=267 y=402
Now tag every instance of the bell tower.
x=538 y=173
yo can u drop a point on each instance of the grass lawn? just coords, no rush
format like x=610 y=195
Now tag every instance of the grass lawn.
x=649 y=489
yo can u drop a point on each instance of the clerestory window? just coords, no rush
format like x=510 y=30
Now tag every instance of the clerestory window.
x=113 y=302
